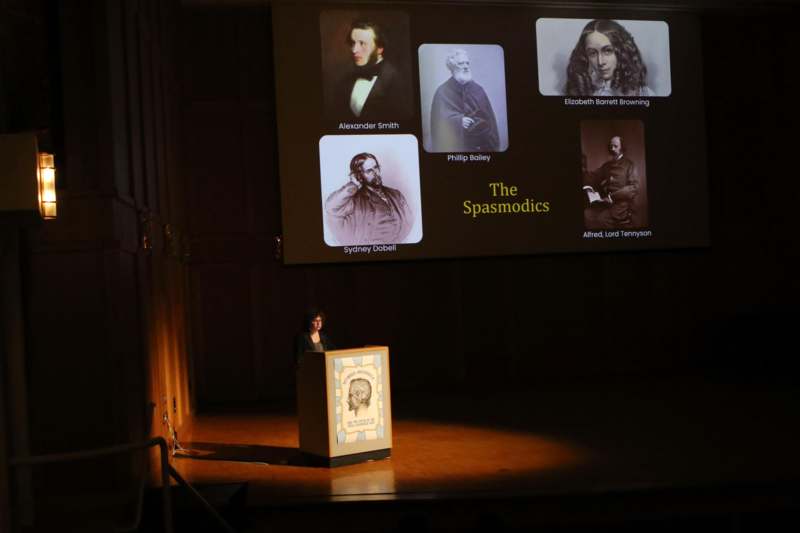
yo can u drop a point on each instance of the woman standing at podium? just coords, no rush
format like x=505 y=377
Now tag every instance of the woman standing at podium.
x=312 y=339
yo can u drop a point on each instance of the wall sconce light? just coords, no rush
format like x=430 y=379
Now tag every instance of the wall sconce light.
x=146 y=231
x=47 y=185
x=27 y=178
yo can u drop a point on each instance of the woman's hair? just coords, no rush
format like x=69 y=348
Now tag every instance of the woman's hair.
x=310 y=315
x=629 y=76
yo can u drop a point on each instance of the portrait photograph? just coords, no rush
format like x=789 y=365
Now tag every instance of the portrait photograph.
x=366 y=65
x=463 y=98
x=603 y=57
x=613 y=174
x=370 y=189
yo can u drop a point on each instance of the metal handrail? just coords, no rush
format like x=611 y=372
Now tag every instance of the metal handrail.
x=166 y=472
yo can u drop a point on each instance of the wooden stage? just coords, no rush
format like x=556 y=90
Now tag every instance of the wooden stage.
x=669 y=447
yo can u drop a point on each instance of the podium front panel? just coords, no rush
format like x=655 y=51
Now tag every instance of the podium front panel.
x=359 y=400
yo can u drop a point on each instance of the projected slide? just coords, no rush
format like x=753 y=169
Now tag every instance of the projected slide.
x=414 y=131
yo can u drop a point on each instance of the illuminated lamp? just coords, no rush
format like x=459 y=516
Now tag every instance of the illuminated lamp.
x=47 y=185
x=27 y=179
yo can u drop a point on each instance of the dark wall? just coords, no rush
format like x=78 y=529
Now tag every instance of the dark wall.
x=752 y=144
x=25 y=83
x=106 y=277
x=520 y=320
x=104 y=284
x=24 y=106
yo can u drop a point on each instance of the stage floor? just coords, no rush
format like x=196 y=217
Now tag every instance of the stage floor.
x=586 y=440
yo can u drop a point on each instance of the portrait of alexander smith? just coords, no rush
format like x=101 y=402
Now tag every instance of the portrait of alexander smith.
x=366 y=65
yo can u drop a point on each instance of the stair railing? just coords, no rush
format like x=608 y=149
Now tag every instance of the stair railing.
x=167 y=471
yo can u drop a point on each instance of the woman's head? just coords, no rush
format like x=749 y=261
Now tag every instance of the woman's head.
x=314 y=320
x=605 y=53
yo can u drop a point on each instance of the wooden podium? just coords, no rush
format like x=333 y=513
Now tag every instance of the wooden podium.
x=344 y=405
